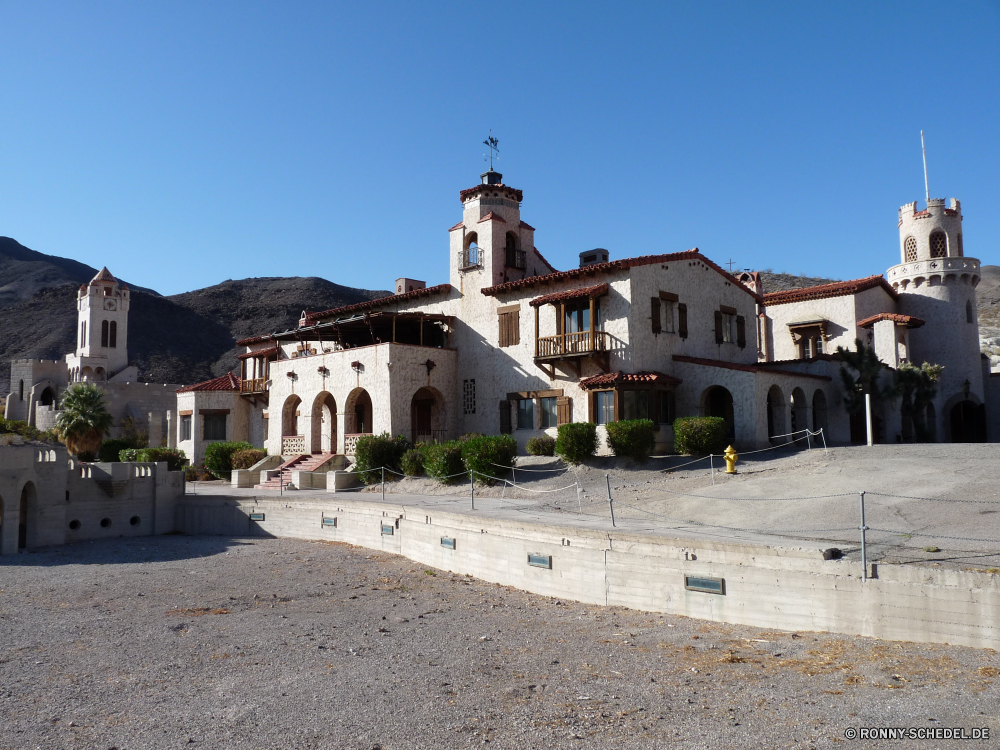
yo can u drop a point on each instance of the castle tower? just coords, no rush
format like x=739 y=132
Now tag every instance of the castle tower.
x=101 y=331
x=491 y=244
x=937 y=283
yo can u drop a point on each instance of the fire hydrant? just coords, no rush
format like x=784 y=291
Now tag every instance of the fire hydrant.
x=730 y=456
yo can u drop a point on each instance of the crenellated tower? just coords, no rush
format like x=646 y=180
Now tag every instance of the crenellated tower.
x=936 y=282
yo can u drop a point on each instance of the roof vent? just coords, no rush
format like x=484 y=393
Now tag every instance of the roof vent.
x=491 y=177
x=409 y=285
x=591 y=257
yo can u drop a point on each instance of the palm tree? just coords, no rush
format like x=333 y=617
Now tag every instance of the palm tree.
x=917 y=387
x=83 y=419
x=868 y=367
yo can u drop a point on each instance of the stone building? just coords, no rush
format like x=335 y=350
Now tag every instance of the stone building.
x=509 y=344
x=101 y=357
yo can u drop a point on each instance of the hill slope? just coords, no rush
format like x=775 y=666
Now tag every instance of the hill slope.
x=179 y=339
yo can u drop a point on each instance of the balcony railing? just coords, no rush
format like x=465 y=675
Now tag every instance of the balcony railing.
x=253 y=385
x=515 y=258
x=351 y=442
x=471 y=258
x=568 y=344
x=293 y=445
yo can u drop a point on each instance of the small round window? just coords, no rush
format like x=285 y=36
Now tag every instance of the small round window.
x=135 y=520
x=74 y=525
x=105 y=522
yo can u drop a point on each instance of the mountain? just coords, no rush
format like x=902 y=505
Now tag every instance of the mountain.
x=184 y=338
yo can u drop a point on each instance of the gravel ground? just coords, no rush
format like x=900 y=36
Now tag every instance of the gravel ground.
x=177 y=641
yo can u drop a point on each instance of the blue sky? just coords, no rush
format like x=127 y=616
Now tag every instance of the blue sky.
x=185 y=143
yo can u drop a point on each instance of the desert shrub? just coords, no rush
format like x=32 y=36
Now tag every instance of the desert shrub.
x=412 y=463
x=128 y=454
x=191 y=473
x=219 y=458
x=442 y=460
x=700 y=435
x=486 y=455
x=375 y=451
x=244 y=459
x=111 y=449
x=86 y=456
x=25 y=430
x=174 y=458
x=632 y=438
x=541 y=445
x=576 y=442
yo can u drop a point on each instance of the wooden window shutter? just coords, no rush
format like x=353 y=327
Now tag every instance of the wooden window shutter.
x=505 y=427
x=564 y=410
x=510 y=328
x=654 y=312
x=682 y=320
x=718 y=326
x=741 y=331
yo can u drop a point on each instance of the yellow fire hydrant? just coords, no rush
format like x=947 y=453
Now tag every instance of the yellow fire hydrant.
x=730 y=456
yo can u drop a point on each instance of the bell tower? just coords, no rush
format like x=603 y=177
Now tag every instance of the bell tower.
x=102 y=329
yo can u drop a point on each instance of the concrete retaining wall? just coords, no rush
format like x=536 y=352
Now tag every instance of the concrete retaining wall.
x=772 y=587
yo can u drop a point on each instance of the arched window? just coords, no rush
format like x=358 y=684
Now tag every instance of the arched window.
x=969 y=313
x=113 y=338
x=939 y=245
x=472 y=256
x=910 y=250
x=20 y=394
x=83 y=334
x=958 y=241
x=104 y=334
x=514 y=257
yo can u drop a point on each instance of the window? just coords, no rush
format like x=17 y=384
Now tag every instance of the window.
x=185 y=428
x=21 y=390
x=513 y=257
x=469 y=396
x=910 y=250
x=471 y=255
x=668 y=407
x=215 y=426
x=83 y=334
x=939 y=245
x=635 y=404
x=525 y=414
x=958 y=241
x=113 y=337
x=549 y=414
x=604 y=407
x=510 y=325
x=725 y=325
x=104 y=334
x=668 y=315
x=682 y=320
x=578 y=316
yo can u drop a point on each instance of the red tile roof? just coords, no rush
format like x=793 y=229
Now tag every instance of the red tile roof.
x=616 y=265
x=823 y=291
x=517 y=195
x=460 y=225
x=762 y=367
x=253 y=340
x=381 y=301
x=104 y=275
x=266 y=351
x=492 y=217
x=541 y=257
x=227 y=382
x=526 y=225
x=621 y=378
x=909 y=320
x=588 y=291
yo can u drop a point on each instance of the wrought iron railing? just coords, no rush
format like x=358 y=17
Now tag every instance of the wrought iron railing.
x=581 y=342
x=471 y=258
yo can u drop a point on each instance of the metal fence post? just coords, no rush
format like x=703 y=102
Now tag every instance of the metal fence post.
x=822 y=431
x=711 y=465
x=383 y=484
x=611 y=502
x=472 y=483
x=864 y=548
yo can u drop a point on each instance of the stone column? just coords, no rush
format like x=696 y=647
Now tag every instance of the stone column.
x=171 y=430
x=154 y=427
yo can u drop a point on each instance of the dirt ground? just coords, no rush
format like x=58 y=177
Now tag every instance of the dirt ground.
x=180 y=642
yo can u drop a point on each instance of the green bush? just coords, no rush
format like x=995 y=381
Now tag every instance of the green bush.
x=700 y=435
x=442 y=460
x=577 y=441
x=246 y=458
x=412 y=463
x=219 y=458
x=541 y=445
x=632 y=438
x=174 y=458
x=128 y=454
x=375 y=451
x=25 y=430
x=111 y=449
x=487 y=455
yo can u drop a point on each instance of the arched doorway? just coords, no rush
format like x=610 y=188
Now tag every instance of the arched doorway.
x=290 y=417
x=48 y=396
x=718 y=402
x=25 y=518
x=967 y=424
x=359 y=413
x=776 y=415
x=820 y=415
x=800 y=412
x=426 y=416
x=324 y=424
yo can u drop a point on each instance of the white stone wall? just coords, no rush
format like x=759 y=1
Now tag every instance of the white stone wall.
x=238 y=420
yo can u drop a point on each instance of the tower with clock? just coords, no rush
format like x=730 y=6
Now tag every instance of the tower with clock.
x=102 y=329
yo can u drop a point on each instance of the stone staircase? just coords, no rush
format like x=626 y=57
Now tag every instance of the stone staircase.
x=305 y=462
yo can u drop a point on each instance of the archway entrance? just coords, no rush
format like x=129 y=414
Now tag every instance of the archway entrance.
x=776 y=414
x=324 y=424
x=425 y=416
x=48 y=396
x=25 y=520
x=819 y=411
x=359 y=414
x=968 y=424
x=290 y=417
x=718 y=402
x=800 y=413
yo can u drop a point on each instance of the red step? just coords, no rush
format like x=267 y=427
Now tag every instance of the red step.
x=305 y=462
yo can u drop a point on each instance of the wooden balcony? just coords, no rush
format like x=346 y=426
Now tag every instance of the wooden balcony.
x=570 y=348
x=253 y=386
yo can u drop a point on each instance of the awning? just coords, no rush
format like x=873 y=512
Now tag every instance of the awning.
x=614 y=379
x=591 y=292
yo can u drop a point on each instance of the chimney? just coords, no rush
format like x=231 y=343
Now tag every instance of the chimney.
x=592 y=257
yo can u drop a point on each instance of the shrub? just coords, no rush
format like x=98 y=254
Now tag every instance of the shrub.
x=376 y=451
x=246 y=458
x=577 y=441
x=541 y=445
x=219 y=457
x=699 y=435
x=25 y=430
x=128 y=454
x=412 y=463
x=632 y=437
x=111 y=449
x=486 y=455
x=174 y=458
x=442 y=460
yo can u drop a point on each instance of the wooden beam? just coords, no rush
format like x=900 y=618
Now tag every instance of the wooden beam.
x=536 y=330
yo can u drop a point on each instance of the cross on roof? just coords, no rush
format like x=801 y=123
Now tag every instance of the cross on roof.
x=730 y=264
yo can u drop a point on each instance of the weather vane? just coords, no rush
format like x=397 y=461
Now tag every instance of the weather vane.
x=494 y=146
